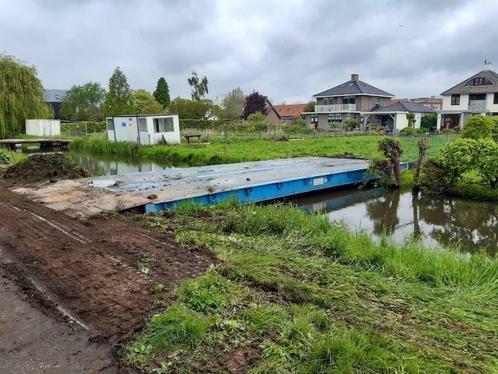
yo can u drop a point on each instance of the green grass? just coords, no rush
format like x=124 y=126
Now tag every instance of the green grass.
x=307 y=297
x=243 y=149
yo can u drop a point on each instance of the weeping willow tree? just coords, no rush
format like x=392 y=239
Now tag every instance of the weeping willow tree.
x=21 y=96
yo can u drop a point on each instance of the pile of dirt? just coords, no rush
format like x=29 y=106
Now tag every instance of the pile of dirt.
x=46 y=166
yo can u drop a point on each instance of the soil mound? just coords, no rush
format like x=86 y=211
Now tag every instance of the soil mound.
x=45 y=166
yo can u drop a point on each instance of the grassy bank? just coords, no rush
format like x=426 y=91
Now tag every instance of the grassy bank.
x=292 y=294
x=238 y=150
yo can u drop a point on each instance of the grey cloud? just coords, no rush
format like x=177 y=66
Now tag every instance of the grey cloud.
x=286 y=50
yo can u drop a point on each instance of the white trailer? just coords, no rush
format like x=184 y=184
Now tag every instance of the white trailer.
x=43 y=127
x=144 y=129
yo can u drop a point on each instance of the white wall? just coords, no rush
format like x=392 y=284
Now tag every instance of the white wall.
x=172 y=137
x=464 y=103
x=490 y=107
x=126 y=129
x=400 y=122
x=43 y=127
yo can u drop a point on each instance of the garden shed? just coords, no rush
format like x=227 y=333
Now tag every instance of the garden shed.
x=43 y=127
x=144 y=129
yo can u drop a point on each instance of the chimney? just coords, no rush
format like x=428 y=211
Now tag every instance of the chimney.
x=355 y=77
x=487 y=65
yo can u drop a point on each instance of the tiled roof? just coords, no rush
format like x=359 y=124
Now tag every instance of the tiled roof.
x=460 y=88
x=289 y=110
x=354 y=87
x=55 y=96
x=404 y=106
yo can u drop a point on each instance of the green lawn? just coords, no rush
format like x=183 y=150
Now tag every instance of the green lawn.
x=243 y=149
x=296 y=295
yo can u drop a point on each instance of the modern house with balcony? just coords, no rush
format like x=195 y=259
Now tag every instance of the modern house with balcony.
x=353 y=99
x=475 y=95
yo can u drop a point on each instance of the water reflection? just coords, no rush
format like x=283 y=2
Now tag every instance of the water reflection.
x=113 y=166
x=465 y=224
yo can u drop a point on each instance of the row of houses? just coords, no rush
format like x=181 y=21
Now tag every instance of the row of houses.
x=372 y=106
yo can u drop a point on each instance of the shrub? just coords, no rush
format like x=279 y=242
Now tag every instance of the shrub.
x=85 y=127
x=435 y=177
x=459 y=157
x=5 y=157
x=478 y=127
x=428 y=122
x=351 y=124
x=200 y=124
x=256 y=117
x=407 y=131
x=486 y=161
x=391 y=149
x=494 y=131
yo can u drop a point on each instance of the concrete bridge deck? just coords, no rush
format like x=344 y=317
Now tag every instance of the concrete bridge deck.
x=159 y=190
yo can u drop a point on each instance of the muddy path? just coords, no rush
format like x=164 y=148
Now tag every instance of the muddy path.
x=101 y=270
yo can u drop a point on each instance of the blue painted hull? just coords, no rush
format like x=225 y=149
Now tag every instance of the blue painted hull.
x=273 y=190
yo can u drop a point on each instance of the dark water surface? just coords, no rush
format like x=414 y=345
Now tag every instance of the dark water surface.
x=437 y=221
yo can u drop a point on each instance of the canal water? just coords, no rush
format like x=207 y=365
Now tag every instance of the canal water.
x=437 y=221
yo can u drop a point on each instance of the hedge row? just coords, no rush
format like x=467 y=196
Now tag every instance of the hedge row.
x=83 y=127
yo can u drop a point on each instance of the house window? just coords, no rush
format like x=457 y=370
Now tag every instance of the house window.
x=313 y=119
x=455 y=99
x=348 y=100
x=477 y=97
x=163 y=125
x=495 y=99
x=142 y=124
x=334 y=118
x=110 y=124
x=479 y=81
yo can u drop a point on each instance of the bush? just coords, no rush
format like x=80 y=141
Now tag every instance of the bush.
x=435 y=177
x=407 y=131
x=459 y=157
x=494 y=131
x=201 y=124
x=86 y=127
x=428 y=122
x=5 y=157
x=486 y=161
x=256 y=117
x=351 y=124
x=478 y=127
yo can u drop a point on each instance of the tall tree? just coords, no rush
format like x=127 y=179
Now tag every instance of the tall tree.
x=119 y=99
x=193 y=109
x=21 y=96
x=254 y=103
x=145 y=103
x=199 y=86
x=162 y=92
x=83 y=103
x=233 y=104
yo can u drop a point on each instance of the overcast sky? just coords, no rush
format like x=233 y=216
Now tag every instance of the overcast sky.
x=285 y=49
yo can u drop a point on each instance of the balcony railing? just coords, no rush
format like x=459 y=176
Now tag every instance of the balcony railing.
x=335 y=108
x=477 y=105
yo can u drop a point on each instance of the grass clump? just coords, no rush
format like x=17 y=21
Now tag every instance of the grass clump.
x=177 y=327
x=301 y=296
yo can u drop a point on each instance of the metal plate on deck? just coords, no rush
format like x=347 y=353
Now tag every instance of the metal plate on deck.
x=248 y=181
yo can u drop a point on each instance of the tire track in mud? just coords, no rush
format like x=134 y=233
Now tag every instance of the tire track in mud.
x=93 y=267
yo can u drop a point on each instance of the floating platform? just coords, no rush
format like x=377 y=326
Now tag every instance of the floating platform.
x=44 y=143
x=161 y=190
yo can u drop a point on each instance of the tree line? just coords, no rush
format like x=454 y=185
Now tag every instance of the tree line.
x=23 y=97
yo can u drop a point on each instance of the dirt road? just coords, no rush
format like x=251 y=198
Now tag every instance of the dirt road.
x=100 y=271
